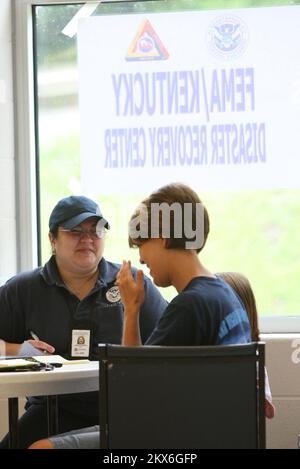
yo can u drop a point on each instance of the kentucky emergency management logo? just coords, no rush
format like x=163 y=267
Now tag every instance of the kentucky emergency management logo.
x=227 y=37
x=113 y=294
x=146 y=45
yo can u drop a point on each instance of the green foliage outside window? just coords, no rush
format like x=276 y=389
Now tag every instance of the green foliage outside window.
x=255 y=232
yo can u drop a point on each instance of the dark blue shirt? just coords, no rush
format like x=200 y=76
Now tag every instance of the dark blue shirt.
x=39 y=301
x=206 y=312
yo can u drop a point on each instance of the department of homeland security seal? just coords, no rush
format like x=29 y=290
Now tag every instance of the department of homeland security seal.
x=113 y=294
x=227 y=37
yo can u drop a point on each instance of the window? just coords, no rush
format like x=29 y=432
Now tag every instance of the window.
x=254 y=231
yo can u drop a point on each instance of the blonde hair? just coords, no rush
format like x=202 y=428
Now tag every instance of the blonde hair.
x=241 y=285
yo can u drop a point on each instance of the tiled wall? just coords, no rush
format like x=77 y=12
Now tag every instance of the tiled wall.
x=7 y=167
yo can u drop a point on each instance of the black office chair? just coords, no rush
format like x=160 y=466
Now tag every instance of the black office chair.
x=182 y=397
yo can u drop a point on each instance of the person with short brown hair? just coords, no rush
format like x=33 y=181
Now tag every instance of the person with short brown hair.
x=174 y=196
x=206 y=311
x=170 y=228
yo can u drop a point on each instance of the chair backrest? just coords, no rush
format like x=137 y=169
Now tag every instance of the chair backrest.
x=182 y=397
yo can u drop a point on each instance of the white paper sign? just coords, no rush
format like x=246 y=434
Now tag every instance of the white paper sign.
x=211 y=98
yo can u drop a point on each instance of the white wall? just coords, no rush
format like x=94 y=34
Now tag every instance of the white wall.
x=8 y=256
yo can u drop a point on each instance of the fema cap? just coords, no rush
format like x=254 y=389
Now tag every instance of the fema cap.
x=73 y=210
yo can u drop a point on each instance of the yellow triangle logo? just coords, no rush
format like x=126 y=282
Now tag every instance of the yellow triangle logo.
x=146 y=45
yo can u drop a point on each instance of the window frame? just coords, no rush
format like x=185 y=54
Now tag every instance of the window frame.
x=25 y=125
x=26 y=143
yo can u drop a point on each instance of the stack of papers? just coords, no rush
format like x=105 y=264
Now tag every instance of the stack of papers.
x=16 y=364
x=58 y=359
x=26 y=364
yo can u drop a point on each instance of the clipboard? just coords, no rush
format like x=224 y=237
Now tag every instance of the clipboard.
x=36 y=363
x=19 y=364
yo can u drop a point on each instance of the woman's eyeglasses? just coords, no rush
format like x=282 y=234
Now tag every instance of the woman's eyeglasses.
x=94 y=233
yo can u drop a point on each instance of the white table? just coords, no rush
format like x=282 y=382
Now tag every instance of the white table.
x=69 y=379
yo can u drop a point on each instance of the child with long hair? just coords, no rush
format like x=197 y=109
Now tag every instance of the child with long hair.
x=241 y=285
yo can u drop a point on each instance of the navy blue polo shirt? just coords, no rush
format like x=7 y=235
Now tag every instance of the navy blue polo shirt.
x=39 y=301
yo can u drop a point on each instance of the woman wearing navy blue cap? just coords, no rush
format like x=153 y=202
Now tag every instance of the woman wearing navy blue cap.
x=73 y=295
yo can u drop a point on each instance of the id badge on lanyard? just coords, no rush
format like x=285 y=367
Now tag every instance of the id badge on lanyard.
x=80 y=342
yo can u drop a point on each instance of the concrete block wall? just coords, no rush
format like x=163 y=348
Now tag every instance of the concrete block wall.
x=284 y=376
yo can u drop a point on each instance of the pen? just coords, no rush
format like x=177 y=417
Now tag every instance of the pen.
x=35 y=337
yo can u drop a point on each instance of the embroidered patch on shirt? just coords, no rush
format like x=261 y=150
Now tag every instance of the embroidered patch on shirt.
x=113 y=294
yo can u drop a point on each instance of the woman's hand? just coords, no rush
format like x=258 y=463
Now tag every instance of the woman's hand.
x=42 y=346
x=27 y=348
